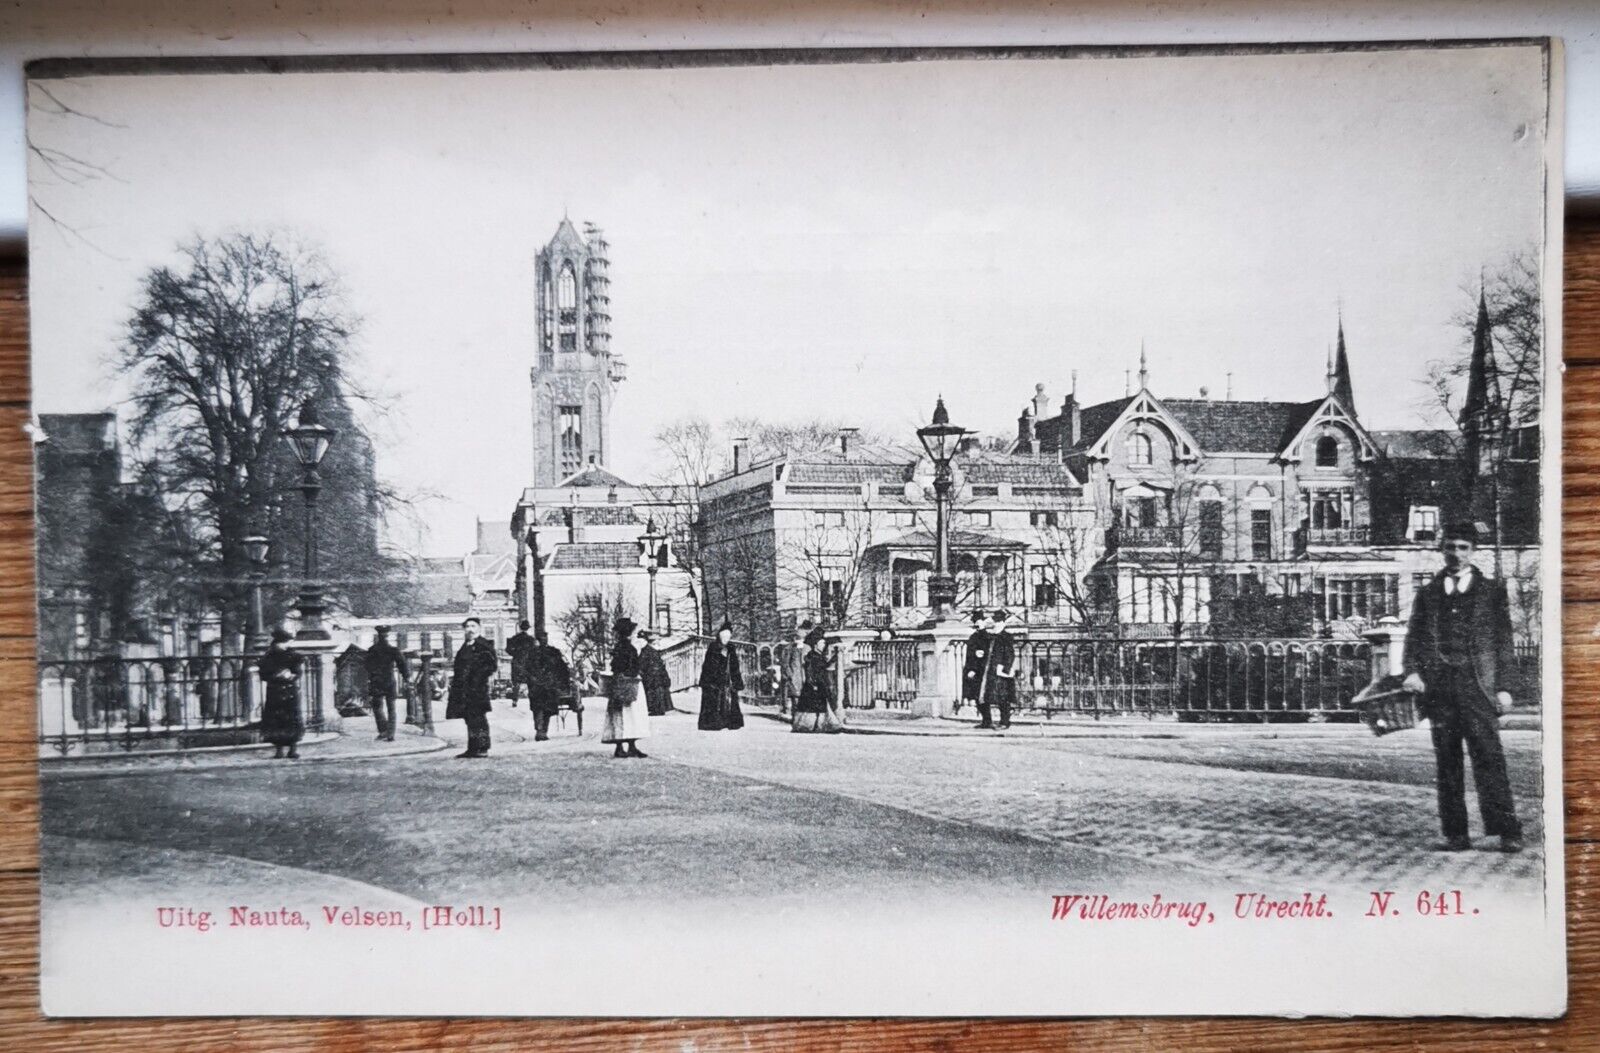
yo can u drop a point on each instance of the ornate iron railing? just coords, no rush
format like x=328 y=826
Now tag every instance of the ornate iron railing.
x=1193 y=679
x=881 y=674
x=179 y=702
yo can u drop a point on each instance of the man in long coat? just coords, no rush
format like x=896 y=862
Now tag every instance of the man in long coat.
x=520 y=648
x=1000 y=683
x=475 y=666
x=549 y=681
x=976 y=668
x=386 y=667
x=1459 y=656
x=792 y=668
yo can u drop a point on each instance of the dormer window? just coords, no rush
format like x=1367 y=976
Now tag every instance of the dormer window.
x=1327 y=452
x=1141 y=451
x=1424 y=524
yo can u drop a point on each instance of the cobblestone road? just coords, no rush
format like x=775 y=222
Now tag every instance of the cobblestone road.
x=1333 y=806
x=1314 y=807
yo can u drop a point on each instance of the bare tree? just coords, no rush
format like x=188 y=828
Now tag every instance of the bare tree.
x=586 y=627
x=222 y=351
x=827 y=557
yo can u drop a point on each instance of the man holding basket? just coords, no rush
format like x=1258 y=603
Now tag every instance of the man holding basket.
x=1459 y=658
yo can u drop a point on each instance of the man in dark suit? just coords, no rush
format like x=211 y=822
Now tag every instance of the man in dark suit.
x=475 y=666
x=520 y=648
x=976 y=668
x=549 y=683
x=1000 y=687
x=1459 y=656
x=386 y=667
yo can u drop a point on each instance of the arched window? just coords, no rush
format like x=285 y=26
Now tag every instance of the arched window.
x=1141 y=451
x=567 y=289
x=1327 y=452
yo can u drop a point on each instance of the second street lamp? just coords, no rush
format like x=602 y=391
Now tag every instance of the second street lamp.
x=941 y=440
x=650 y=547
x=310 y=440
x=256 y=548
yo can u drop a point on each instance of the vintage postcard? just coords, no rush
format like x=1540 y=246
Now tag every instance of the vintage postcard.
x=942 y=532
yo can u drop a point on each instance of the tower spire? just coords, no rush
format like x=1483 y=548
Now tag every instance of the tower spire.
x=1482 y=392
x=1339 y=372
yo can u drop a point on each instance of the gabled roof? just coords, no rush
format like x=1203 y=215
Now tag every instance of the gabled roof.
x=594 y=555
x=1146 y=407
x=1018 y=472
x=1329 y=410
x=1242 y=427
x=594 y=475
x=589 y=515
x=959 y=539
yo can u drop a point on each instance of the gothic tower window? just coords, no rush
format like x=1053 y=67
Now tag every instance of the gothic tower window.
x=567 y=307
x=570 y=430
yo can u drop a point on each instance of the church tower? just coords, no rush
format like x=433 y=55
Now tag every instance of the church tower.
x=575 y=374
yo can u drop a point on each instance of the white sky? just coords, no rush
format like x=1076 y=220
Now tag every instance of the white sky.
x=842 y=241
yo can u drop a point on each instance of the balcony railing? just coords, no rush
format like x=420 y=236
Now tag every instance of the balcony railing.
x=1120 y=536
x=1333 y=537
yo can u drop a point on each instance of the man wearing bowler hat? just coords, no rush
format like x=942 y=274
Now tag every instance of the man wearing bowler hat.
x=1459 y=657
x=1000 y=685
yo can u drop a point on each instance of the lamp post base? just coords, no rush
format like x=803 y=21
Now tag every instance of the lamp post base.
x=310 y=606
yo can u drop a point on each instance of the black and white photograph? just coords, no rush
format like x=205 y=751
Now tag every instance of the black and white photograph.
x=965 y=531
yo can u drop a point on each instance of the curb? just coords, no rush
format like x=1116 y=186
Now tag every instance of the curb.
x=74 y=768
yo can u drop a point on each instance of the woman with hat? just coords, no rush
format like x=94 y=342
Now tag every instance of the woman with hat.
x=627 y=720
x=815 y=709
x=281 y=722
x=720 y=684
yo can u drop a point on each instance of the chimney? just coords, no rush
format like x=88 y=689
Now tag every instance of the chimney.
x=846 y=435
x=1041 y=402
x=1027 y=439
x=1070 y=430
x=741 y=452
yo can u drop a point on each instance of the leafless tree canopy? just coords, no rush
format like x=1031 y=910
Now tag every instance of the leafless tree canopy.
x=222 y=350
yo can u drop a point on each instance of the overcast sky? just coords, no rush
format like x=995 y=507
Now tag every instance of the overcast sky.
x=842 y=240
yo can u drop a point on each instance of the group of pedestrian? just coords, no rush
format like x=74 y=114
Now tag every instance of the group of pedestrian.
x=989 y=675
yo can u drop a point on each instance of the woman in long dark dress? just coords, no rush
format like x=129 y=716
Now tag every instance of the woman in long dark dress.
x=655 y=679
x=281 y=722
x=720 y=684
x=627 y=721
x=814 y=710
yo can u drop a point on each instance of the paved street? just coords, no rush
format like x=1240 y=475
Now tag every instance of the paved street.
x=767 y=812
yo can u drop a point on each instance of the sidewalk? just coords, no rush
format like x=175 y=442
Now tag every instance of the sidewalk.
x=889 y=722
x=357 y=740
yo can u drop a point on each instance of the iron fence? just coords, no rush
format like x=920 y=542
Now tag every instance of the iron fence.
x=1217 y=680
x=179 y=702
x=881 y=674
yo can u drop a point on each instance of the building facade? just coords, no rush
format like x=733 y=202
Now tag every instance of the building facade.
x=1139 y=515
x=845 y=536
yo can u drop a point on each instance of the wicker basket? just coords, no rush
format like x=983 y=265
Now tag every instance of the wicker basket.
x=1386 y=706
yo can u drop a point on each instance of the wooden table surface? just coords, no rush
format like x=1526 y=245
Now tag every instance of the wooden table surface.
x=22 y=1028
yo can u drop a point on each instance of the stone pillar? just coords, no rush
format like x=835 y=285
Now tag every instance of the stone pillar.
x=320 y=711
x=939 y=661
x=1388 y=639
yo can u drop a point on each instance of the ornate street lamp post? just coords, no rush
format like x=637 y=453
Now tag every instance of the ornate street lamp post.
x=256 y=548
x=941 y=440
x=536 y=561
x=310 y=441
x=649 y=546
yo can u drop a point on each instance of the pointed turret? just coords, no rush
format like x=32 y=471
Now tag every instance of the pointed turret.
x=1339 y=375
x=1483 y=394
